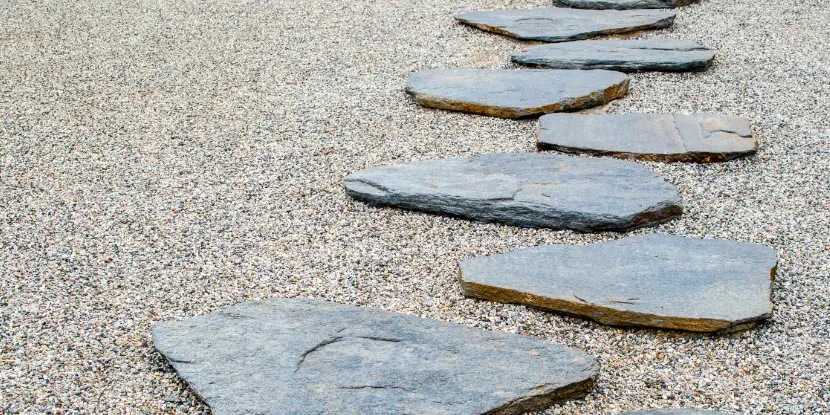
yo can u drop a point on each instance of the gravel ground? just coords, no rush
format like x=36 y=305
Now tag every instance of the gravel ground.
x=164 y=159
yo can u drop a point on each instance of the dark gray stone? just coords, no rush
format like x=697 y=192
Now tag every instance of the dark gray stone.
x=552 y=24
x=672 y=412
x=509 y=93
x=299 y=356
x=701 y=138
x=622 y=4
x=620 y=55
x=525 y=189
x=659 y=281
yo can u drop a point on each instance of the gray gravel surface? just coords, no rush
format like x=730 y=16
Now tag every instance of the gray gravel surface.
x=160 y=160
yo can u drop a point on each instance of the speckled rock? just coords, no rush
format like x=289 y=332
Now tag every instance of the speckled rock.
x=672 y=412
x=663 y=281
x=525 y=189
x=552 y=24
x=297 y=356
x=699 y=138
x=515 y=93
x=620 y=55
x=622 y=4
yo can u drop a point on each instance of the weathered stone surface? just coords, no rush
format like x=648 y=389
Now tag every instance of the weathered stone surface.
x=552 y=24
x=658 y=281
x=699 y=138
x=313 y=357
x=622 y=4
x=509 y=93
x=620 y=55
x=672 y=412
x=525 y=189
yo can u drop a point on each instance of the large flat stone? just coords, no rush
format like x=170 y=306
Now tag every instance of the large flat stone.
x=298 y=356
x=525 y=189
x=622 y=4
x=672 y=412
x=620 y=55
x=553 y=24
x=658 y=281
x=509 y=93
x=699 y=138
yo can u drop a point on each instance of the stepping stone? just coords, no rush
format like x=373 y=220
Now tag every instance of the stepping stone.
x=620 y=55
x=622 y=4
x=552 y=24
x=661 y=281
x=701 y=138
x=672 y=412
x=510 y=93
x=525 y=189
x=298 y=356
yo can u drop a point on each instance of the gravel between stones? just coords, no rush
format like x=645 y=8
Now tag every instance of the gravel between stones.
x=162 y=160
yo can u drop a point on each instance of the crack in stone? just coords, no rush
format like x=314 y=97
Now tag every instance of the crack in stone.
x=336 y=339
x=378 y=387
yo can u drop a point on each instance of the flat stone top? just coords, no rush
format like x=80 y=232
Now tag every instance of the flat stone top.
x=297 y=356
x=515 y=93
x=620 y=55
x=672 y=412
x=525 y=189
x=659 y=137
x=660 y=281
x=621 y=4
x=553 y=24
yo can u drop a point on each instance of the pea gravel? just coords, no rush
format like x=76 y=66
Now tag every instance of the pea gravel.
x=160 y=160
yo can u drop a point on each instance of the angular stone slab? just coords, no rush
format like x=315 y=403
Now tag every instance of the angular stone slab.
x=553 y=24
x=510 y=93
x=701 y=138
x=622 y=4
x=660 y=281
x=672 y=412
x=620 y=55
x=525 y=189
x=297 y=356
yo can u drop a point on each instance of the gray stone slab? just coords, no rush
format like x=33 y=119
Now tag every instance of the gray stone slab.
x=553 y=24
x=296 y=356
x=660 y=281
x=672 y=412
x=620 y=55
x=525 y=189
x=510 y=93
x=622 y=4
x=701 y=138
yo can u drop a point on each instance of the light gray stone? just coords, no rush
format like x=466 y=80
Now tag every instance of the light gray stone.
x=509 y=93
x=552 y=24
x=525 y=189
x=620 y=55
x=622 y=4
x=661 y=281
x=672 y=412
x=701 y=138
x=297 y=356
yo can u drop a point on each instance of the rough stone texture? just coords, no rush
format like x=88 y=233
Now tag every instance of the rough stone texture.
x=297 y=356
x=525 y=189
x=622 y=4
x=663 y=281
x=699 y=138
x=672 y=412
x=551 y=24
x=620 y=55
x=509 y=93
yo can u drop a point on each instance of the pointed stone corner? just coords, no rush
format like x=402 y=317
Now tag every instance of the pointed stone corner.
x=525 y=189
x=294 y=356
x=553 y=24
x=678 y=411
x=660 y=281
x=665 y=55
x=699 y=138
x=509 y=93
x=622 y=4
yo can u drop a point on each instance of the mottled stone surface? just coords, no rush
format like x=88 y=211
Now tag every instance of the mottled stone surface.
x=620 y=55
x=658 y=281
x=552 y=24
x=699 y=138
x=672 y=412
x=621 y=4
x=296 y=356
x=509 y=93
x=525 y=189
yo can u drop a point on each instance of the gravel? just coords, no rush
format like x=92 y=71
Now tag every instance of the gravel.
x=160 y=160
